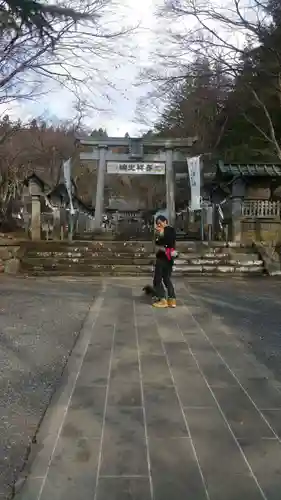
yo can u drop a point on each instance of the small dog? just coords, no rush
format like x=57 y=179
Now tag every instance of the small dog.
x=149 y=290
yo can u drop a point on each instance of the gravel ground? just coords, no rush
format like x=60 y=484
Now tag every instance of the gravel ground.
x=251 y=309
x=40 y=320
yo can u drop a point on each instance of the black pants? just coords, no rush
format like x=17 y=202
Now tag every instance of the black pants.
x=162 y=278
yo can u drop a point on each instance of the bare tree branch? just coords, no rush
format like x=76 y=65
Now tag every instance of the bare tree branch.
x=272 y=136
x=238 y=36
x=81 y=40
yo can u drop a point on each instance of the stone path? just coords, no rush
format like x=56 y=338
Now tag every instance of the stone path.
x=162 y=405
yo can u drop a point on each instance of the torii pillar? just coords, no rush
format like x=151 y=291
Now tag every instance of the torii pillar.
x=170 y=186
x=99 y=201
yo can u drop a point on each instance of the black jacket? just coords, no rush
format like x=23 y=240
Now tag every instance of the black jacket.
x=167 y=240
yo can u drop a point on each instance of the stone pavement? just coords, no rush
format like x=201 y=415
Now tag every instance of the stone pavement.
x=40 y=321
x=159 y=404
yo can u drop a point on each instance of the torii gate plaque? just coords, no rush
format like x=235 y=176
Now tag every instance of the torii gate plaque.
x=148 y=156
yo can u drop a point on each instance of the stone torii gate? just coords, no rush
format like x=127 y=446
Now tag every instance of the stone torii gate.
x=135 y=156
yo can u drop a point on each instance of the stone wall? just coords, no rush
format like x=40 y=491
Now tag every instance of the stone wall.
x=10 y=254
x=270 y=255
x=268 y=231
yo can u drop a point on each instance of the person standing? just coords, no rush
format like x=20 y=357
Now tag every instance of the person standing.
x=165 y=242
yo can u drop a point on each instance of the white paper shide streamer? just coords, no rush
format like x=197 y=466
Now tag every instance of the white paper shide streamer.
x=67 y=181
x=195 y=182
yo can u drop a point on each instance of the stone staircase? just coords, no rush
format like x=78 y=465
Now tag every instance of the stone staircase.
x=218 y=258
x=116 y=258
x=92 y=258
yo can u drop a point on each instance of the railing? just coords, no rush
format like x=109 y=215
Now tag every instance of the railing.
x=261 y=209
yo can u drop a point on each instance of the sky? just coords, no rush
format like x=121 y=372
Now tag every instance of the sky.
x=119 y=115
x=113 y=94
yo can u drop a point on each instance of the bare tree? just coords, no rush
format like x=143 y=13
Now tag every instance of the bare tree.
x=35 y=17
x=68 y=51
x=239 y=37
x=32 y=148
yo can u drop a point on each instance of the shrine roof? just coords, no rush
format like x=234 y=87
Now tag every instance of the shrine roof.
x=38 y=180
x=250 y=169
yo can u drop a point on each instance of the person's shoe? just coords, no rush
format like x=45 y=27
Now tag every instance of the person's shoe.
x=160 y=304
x=172 y=303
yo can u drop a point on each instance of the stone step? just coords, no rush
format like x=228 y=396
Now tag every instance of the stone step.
x=86 y=261
x=215 y=260
x=96 y=248
x=87 y=255
x=88 y=273
x=123 y=273
x=134 y=259
x=251 y=262
x=91 y=270
x=134 y=270
x=108 y=253
x=127 y=248
x=127 y=251
x=223 y=269
x=62 y=246
x=201 y=248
